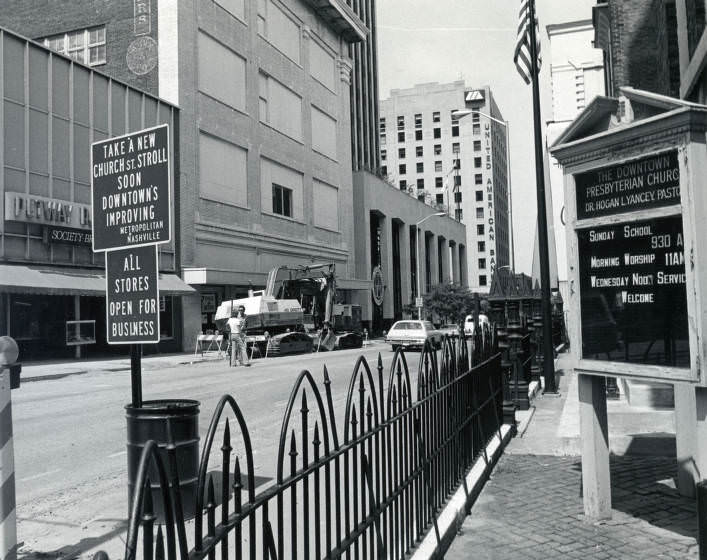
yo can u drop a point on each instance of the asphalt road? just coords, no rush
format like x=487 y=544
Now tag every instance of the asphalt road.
x=70 y=439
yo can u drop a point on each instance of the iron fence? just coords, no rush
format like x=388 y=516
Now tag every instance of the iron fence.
x=372 y=490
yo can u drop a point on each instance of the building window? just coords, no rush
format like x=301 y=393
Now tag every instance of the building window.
x=401 y=153
x=437 y=133
x=481 y=246
x=435 y=117
x=420 y=167
x=477 y=162
x=438 y=167
x=477 y=145
x=401 y=122
x=476 y=129
x=403 y=185
x=455 y=130
x=381 y=125
x=420 y=184
x=480 y=229
x=418 y=151
x=384 y=155
x=440 y=198
x=401 y=137
x=479 y=196
x=457 y=196
x=475 y=117
x=86 y=45
x=480 y=213
x=456 y=163
x=281 y=200
x=482 y=264
x=384 y=170
x=478 y=179
x=438 y=149
x=457 y=181
x=421 y=196
x=418 y=135
x=418 y=120
x=482 y=280
x=383 y=139
x=439 y=182
x=458 y=215
x=455 y=148
x=401 y=169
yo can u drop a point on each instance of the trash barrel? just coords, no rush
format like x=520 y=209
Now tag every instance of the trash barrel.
x=149 y=422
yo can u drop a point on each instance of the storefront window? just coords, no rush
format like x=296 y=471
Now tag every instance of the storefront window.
x=166 y=318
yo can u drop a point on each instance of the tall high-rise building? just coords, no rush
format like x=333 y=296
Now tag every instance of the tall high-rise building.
x=577 y=76
x=456 y=164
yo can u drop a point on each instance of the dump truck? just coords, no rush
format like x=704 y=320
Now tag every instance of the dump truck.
x=296 y=312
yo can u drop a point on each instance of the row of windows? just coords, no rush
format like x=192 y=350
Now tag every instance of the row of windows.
x=419 y=151
x=436 y=118
x=436 y=133
x=439 y=181
x=87 y=46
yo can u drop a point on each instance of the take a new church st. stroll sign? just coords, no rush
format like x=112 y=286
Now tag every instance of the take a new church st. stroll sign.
x=130 y=189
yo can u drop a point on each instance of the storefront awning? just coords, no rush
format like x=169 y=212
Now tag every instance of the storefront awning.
x=27 y=279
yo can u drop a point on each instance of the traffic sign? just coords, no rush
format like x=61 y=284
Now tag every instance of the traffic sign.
x=130 y=189
x=418 y=302
x=132 y=296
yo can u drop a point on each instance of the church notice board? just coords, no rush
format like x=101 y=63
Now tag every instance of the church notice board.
x=631 y=266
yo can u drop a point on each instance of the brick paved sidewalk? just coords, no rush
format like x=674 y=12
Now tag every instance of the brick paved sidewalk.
x=532 y=508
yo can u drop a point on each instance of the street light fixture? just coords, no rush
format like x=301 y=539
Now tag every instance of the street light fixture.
x=417 y=259
x=461 y=113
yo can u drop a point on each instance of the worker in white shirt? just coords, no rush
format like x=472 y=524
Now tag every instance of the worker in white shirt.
x=239 y=351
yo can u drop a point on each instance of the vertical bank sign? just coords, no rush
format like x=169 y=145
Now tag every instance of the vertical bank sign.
x=489 y=197
x=130 y=189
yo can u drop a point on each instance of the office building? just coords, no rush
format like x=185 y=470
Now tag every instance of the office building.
x=458 y=165
x=577 y=76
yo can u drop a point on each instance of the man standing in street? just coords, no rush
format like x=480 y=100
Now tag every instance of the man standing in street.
x=239 y=350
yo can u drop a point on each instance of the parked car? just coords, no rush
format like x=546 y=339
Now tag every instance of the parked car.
x=413 y=334
x=449 y=329
x=469 y=323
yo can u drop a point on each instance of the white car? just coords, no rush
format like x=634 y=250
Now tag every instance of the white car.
x=469 y=323
x=413 y=334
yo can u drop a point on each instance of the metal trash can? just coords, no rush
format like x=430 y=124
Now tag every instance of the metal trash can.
x=150 y=422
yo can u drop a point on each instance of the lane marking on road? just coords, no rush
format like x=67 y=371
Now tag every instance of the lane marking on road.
x=118 y=454
x=40 y=475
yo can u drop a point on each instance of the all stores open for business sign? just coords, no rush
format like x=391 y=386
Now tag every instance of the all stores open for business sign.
x=131 y=190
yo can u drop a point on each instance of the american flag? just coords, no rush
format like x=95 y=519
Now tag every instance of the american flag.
x=521 y=56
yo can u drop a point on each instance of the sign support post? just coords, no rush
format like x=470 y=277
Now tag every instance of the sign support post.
x=136 y=373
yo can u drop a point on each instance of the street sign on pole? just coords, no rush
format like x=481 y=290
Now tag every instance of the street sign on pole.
x=132 y=302
x=418 y=302
x=130 y=189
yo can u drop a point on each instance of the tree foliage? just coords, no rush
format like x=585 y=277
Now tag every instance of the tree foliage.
x=449 y=303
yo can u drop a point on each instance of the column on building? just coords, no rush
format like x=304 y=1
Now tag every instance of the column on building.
x=432 y=244
x=454 y=261
x=405 y=264
x=386 y=225
x=443 y=259
x=463 y=274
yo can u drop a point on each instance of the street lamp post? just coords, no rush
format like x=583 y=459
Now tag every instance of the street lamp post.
x=461 y=113
x=417 y=259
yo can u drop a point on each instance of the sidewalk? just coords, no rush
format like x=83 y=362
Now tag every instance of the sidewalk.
x=531 y=507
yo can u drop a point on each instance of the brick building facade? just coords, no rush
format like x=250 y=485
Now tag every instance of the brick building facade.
x=131 y=32
x=639 y=38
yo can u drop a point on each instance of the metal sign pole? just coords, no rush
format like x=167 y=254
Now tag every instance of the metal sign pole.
x=136 y=373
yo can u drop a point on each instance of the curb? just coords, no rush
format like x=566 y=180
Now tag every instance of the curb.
x=459 y=505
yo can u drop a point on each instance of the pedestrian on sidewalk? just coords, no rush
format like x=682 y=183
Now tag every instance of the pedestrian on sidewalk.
x=239 y=350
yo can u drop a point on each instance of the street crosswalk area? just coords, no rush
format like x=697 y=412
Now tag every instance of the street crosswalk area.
x=531 y=508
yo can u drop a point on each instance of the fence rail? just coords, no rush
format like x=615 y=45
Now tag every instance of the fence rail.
x=374 y=493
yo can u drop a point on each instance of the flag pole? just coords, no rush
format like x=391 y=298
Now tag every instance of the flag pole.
x=548 y=348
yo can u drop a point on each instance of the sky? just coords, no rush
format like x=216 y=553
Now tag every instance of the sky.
x=446 y=40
